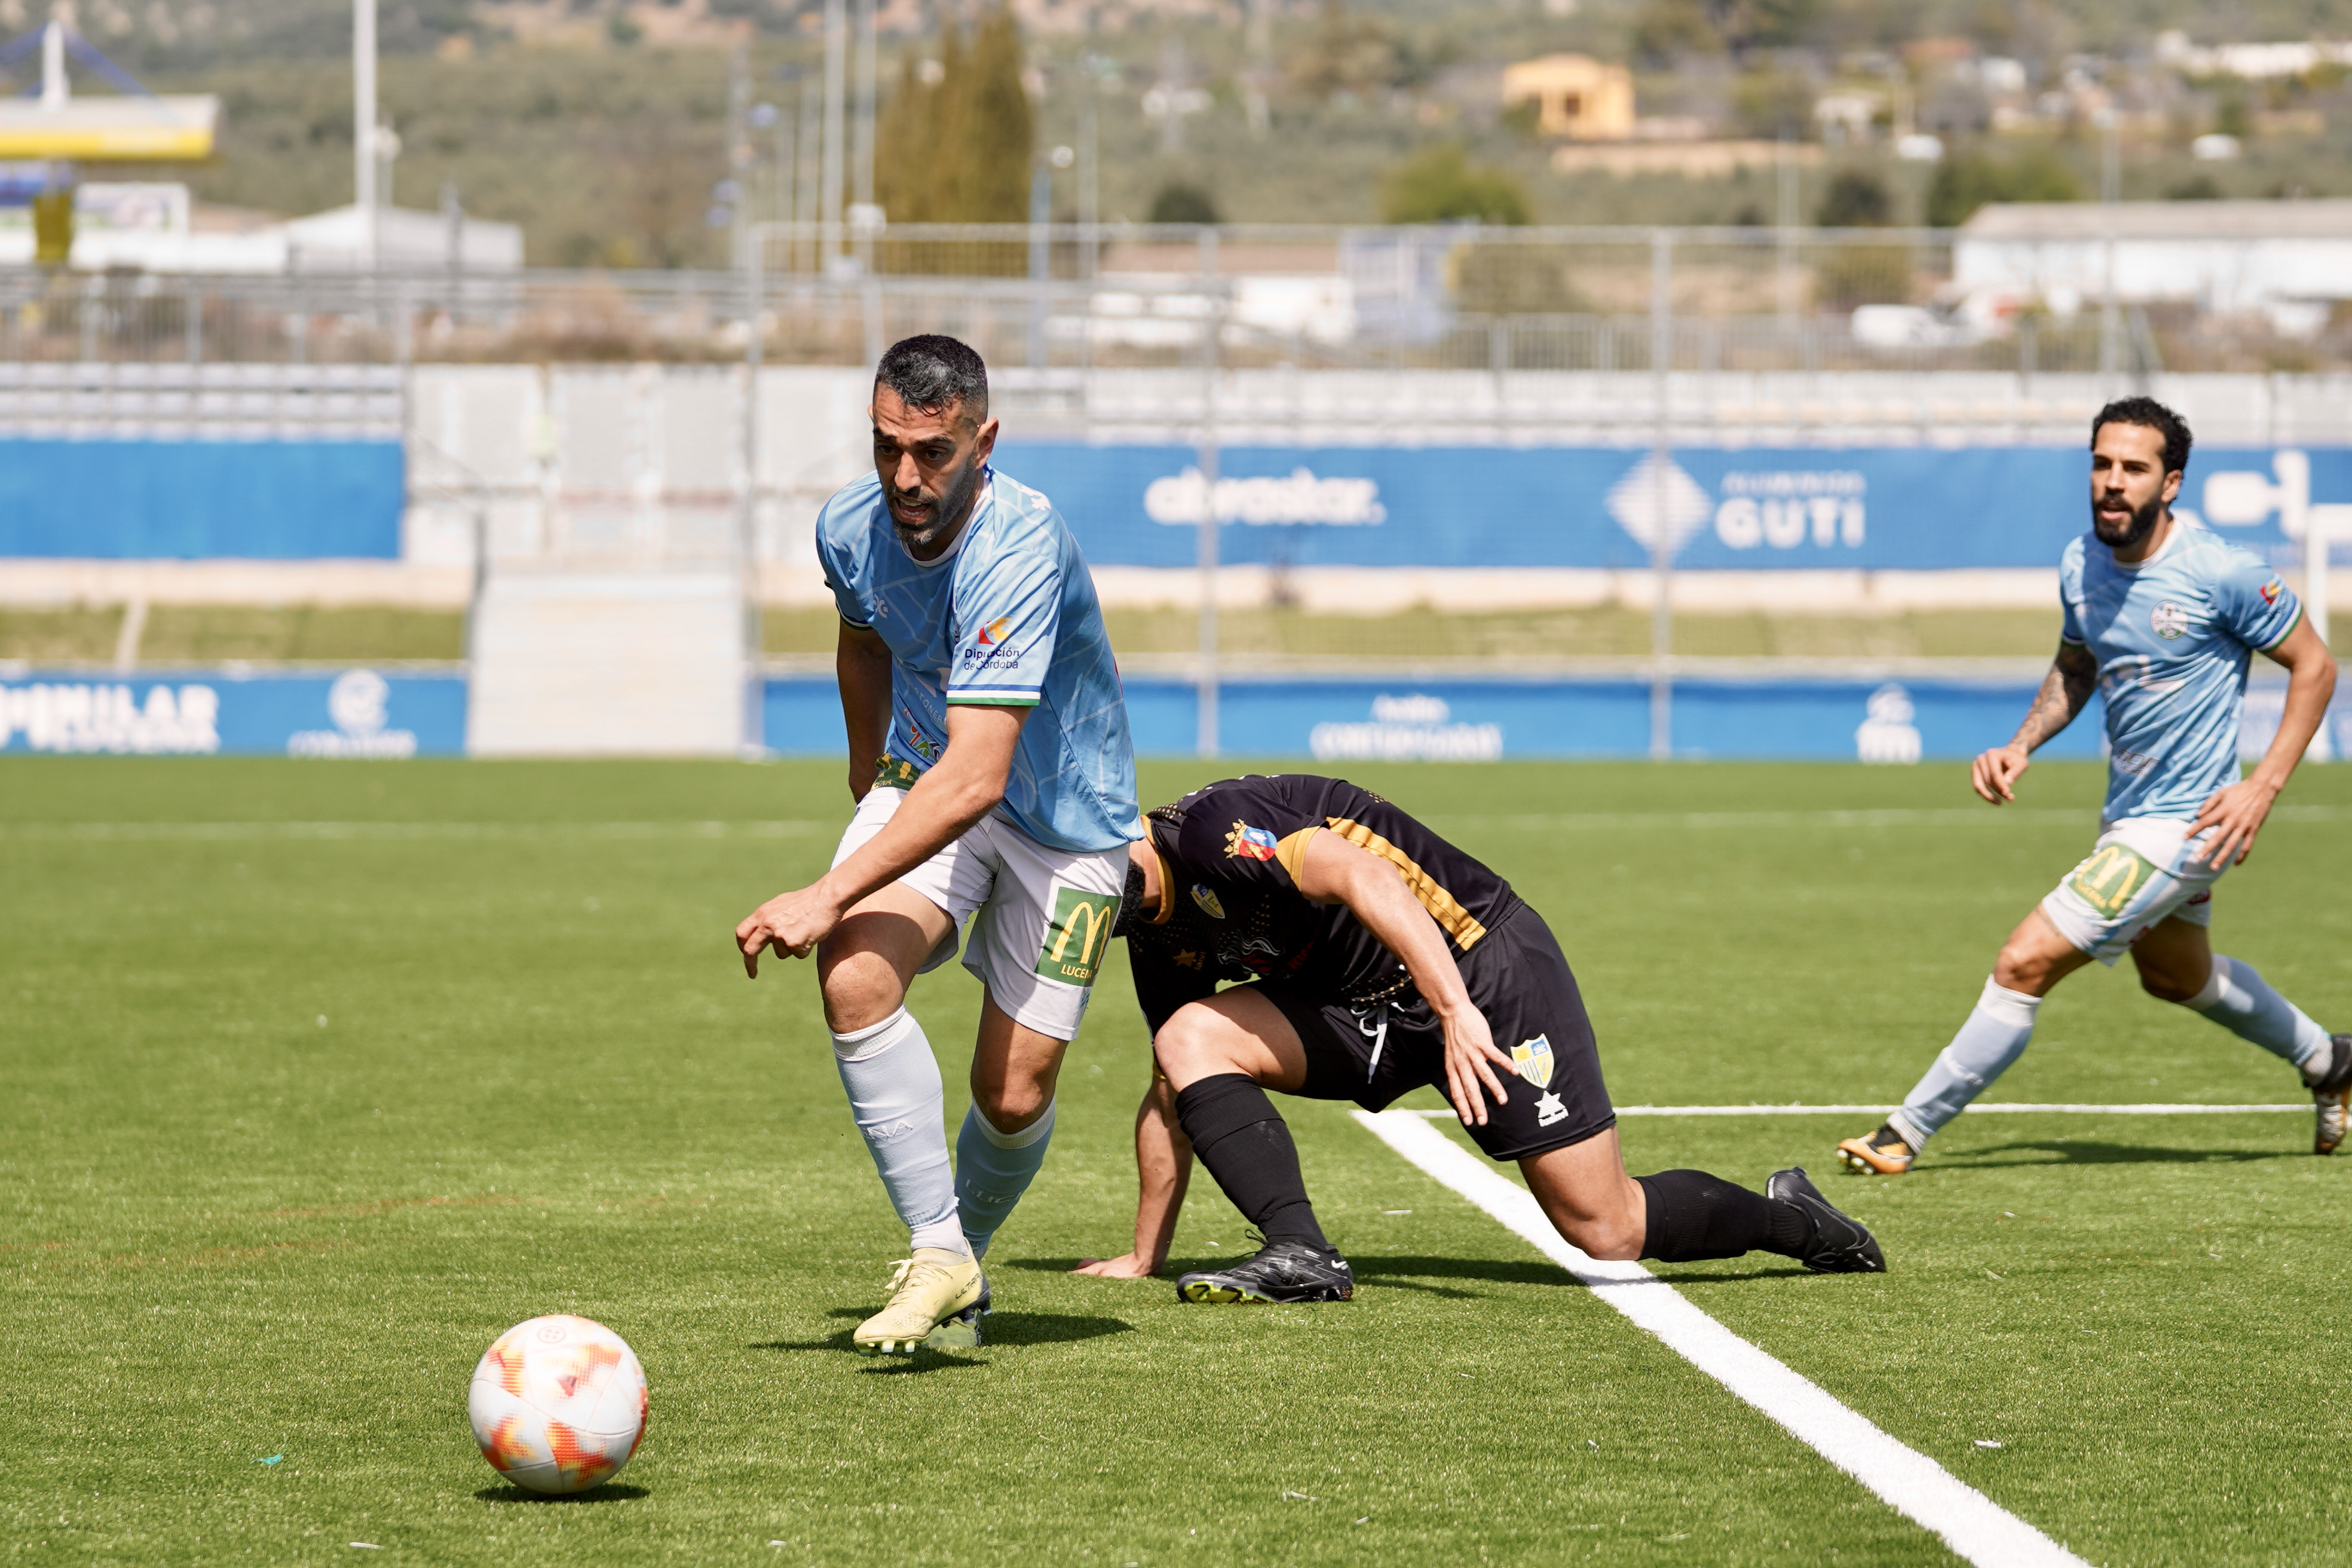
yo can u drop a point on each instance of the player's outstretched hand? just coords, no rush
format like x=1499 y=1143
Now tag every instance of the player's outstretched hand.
x=1996 y=772
x=792 y=923
x=1470 y=1061
x=2235 y=814
x=1133 y=1266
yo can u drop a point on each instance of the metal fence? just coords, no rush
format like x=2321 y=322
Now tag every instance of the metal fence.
x=1064 y=296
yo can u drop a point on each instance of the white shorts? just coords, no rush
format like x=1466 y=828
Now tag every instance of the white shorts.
x=1044 y=916
x=2143 y=871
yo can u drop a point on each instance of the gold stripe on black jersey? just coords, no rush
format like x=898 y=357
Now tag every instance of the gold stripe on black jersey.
x=1444 y=908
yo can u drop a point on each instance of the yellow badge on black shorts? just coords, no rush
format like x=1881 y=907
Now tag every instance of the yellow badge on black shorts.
x=1077 y=936
x=2111 y=878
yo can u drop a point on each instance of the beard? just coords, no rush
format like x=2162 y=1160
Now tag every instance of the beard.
x=948 y=507
x=2141 y=523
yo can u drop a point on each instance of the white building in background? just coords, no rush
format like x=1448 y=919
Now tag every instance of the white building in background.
x=2290 y=261
x=153 y=227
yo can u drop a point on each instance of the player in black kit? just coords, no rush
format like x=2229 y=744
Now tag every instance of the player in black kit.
x=1385 y=959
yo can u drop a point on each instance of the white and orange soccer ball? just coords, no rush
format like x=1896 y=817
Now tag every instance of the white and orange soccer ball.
x=558 y=1404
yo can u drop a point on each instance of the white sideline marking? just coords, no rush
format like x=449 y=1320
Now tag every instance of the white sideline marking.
x=2184 y=1109
x=139 y=831
x=1975 y=1527
x=1891 y=816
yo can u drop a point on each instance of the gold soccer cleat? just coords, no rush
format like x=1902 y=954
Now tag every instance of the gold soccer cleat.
x=2333 y=1096
x=1882 y=1154
x=928 y=1289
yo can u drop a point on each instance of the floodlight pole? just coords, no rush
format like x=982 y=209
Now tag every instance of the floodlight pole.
x=1662 y=537
x=364 y=150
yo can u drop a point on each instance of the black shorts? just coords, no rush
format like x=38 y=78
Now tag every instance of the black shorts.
x=1519 y=979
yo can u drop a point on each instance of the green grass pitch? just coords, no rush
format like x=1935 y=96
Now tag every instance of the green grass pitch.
x=296 y=1119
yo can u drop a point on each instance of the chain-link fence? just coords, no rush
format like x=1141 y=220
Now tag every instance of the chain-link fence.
x=1456 y=296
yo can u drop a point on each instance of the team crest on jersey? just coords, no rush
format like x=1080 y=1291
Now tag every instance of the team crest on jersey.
x=1206 y=898
x=1247 y=843
x=2169 y=621
x=2272 y=590
x=994 y=632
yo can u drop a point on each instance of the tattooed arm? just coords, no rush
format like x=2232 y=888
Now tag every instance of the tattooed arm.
x=2063 y=691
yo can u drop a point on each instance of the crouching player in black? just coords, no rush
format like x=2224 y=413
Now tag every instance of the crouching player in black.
x=1385 y=959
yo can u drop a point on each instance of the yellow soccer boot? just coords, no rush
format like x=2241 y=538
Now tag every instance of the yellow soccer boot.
x=936 y=1296
x=1881 y=1154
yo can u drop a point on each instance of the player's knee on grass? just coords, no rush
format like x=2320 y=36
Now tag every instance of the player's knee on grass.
x=860 y=986
x=1616 y=1237
x=1187 y=1046
x=2169 y=985
x=1010 y=1104
x=2033 y=960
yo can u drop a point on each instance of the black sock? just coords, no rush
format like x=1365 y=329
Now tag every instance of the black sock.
x=1692 y=1216
x=1246 y=1146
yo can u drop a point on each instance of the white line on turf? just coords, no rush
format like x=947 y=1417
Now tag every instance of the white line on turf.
x=142 y=831
x=1881 y=1111
x=1976 y=1528
x=1891 y=816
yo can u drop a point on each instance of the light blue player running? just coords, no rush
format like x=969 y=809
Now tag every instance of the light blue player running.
x=990 y=760
x=2162 y=615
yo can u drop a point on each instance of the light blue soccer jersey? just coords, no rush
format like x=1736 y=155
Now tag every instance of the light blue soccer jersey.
x=1007 y=616
x=2172 y=636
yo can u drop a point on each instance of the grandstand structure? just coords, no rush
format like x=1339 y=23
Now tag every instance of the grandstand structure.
x=614 y=473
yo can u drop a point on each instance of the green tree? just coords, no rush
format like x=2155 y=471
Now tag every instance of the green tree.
x=1178 y=201
x=1856 y=200
x=908 y=151
x=1967 y=182
x=1345 y=53
x=1511 y=279
x=987 y=130
x=1440 y=184
x=956 y=149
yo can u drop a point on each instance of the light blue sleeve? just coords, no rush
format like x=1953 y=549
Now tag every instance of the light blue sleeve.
x=2070 y=588
x=1007 y=621
x=2254 y=603
x=836 y=575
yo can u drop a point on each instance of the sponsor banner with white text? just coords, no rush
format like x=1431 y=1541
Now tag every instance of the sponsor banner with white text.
x=1869 y=509
x=1332 y=724
x=352 y=713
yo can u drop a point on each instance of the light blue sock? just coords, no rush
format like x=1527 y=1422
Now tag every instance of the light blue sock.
x=2241 y=1001
x=992 y=1170
x=1993 y=1037
x=895 y=1092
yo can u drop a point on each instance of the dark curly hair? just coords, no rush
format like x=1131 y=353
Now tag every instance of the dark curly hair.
x=932 y=371
x=2149 y=414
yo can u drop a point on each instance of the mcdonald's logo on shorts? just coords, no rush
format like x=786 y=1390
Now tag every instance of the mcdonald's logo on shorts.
x=1077 y=936
x=2111 y=878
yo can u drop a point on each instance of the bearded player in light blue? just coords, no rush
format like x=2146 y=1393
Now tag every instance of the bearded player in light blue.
x=990 y=760
x=2162 y=615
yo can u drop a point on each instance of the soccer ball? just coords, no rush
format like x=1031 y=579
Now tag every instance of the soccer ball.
x=558 y=1404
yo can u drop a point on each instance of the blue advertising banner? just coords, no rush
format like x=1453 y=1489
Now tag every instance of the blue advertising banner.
x=1872 y=509
x=1337 y=721
x=265 y=500
x=353 y=713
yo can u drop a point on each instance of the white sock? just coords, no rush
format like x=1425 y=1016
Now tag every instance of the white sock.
x=2241 y=1001
x=895 y=1092
x=993 y=1169
x=1994 y=1037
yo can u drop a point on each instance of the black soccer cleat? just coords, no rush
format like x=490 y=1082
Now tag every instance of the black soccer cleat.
x=1281 y=1272
x=1839 y=1245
